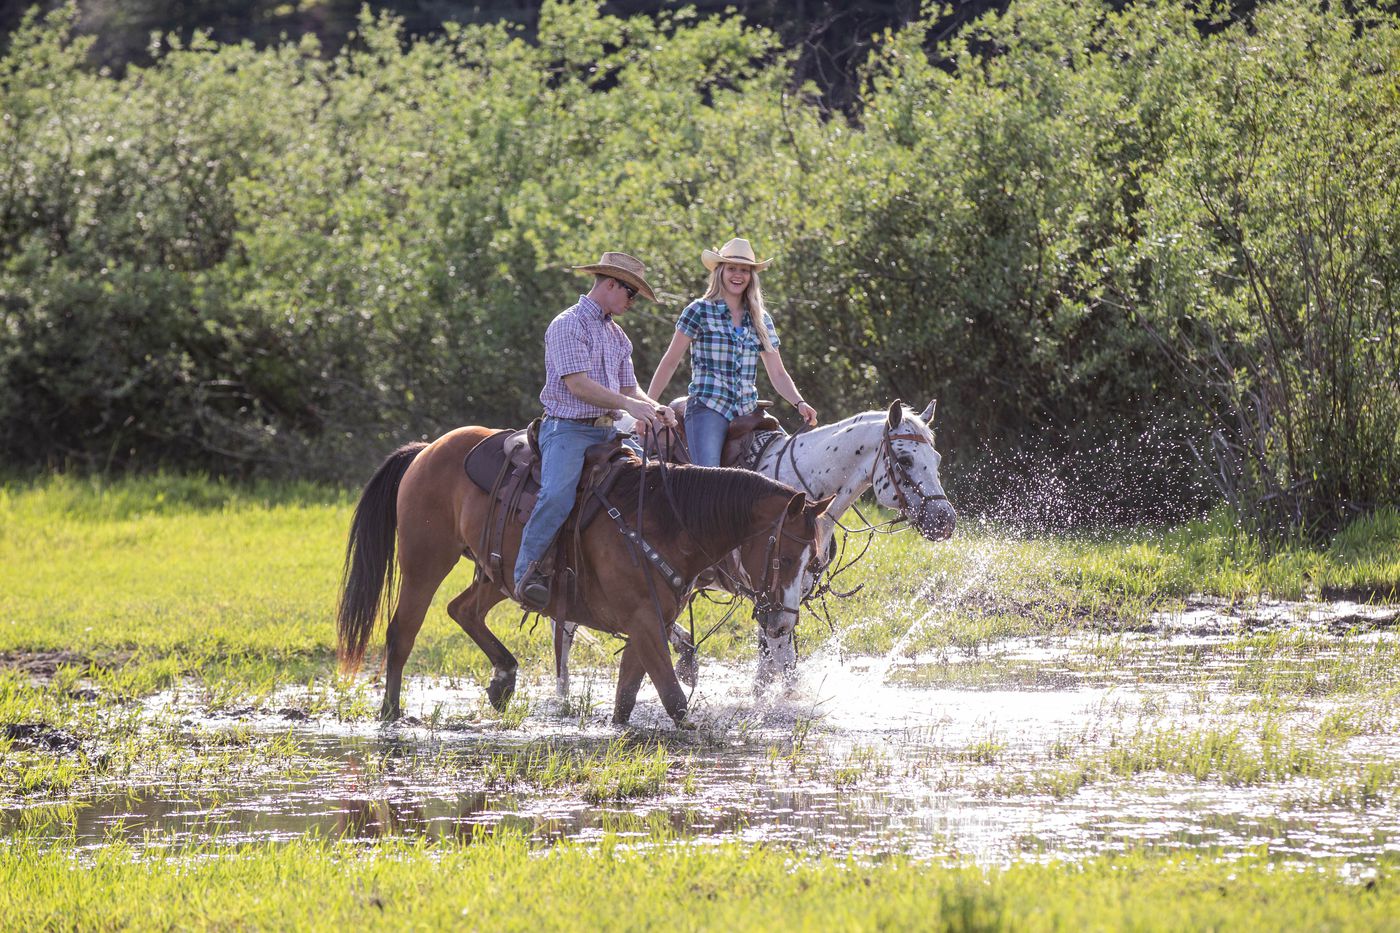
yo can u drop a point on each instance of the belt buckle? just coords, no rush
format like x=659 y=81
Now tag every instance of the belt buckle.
x=603 y=421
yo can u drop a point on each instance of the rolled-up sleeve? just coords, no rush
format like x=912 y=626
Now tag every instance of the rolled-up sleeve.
x=772 y=331
x=690 y=322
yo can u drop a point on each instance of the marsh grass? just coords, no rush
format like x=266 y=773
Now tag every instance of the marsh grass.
x=220 y=599
x=1231 y=754
x=621 y=770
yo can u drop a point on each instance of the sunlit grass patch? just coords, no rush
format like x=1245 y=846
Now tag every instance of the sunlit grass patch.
x=313 y=884
x=1307 y=663
x=1232 y=754
x=621 y=770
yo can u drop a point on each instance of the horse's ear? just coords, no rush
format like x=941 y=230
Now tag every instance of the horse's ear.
x=826 y=527
x=824 y=504
x=796 y=504
x=927 y=416
x=896 y=414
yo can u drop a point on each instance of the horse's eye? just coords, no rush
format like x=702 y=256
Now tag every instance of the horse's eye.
x=905 y=460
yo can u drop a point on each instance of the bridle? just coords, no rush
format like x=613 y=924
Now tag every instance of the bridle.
x=766 y=602
x=897 y=474
x=896 y=471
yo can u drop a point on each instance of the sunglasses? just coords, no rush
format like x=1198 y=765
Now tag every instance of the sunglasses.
x=631 y=292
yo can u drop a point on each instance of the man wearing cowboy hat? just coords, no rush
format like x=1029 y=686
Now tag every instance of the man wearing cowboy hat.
x=588 y=379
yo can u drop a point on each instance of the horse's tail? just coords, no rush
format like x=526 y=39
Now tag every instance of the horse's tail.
x=367 y=583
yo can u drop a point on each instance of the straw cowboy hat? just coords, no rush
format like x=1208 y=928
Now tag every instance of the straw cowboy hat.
x=624 y=268
x=736 y=252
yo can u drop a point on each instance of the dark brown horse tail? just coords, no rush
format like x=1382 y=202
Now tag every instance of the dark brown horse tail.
x=368 y=579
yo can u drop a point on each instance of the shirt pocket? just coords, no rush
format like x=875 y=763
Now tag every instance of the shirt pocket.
x=614 y=357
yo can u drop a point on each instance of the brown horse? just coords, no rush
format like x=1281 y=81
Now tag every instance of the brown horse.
x=422 y=497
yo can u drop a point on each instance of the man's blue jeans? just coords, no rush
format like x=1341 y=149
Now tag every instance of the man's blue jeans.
x=562 y=444
x=704 y=433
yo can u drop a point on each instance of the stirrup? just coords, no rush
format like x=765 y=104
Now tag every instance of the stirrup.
x=533 y=590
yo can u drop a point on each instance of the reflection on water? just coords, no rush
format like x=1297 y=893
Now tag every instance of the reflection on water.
x=868 y=755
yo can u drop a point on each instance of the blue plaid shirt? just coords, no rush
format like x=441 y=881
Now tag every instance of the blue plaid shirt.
x=723 y=358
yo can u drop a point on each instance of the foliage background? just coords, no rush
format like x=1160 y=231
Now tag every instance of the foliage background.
x=1154 y=246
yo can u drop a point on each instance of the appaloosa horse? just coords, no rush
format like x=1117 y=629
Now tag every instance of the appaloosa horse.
x=422 y=499
x=891 y=451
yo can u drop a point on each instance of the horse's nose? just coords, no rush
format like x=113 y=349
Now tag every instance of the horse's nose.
x=938 y=521
x=778 y=624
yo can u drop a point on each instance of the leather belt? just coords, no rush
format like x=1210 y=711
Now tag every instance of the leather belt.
x=602 y=421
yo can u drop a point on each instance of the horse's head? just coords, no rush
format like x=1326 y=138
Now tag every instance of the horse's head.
x=784 y=561
x=906 y=472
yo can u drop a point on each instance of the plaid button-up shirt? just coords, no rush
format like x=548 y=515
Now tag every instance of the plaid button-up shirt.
x=723 y=358
x=583 y=339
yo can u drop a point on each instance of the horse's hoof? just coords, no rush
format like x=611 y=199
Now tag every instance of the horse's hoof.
x=389 y=714
x=685 y=724
x=500 y=690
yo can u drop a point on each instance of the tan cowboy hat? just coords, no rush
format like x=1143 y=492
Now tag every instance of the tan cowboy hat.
x=624 y=268
x=736 y=252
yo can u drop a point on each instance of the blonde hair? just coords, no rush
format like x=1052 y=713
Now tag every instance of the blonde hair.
x=753 y=300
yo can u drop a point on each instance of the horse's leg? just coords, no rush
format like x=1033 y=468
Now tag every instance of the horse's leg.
x=415 y=595
x=686 y=665
x=655 y=656
x=629 y=681
x=563 y=643
x=777 y=657
x=468 y=609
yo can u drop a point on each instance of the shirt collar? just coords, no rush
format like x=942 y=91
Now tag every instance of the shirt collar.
x=592 y=309
x=722 y=307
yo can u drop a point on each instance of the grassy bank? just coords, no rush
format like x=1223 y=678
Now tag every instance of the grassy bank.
x=165 y=576
x=506 y=884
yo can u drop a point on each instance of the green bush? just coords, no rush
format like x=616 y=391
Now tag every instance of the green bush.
x=1081 y=229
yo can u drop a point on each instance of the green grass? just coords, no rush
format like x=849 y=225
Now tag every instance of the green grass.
x=504 y=883
x=1234 y=755
x=163 y=577
x=990 y=583
x=623 y=770
x=120 y=590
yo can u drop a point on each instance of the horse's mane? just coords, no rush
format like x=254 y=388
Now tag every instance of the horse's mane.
x=877 y=416
x=711 y=503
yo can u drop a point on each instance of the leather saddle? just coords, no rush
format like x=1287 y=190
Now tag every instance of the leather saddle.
x=739 y=440
x=506 y=465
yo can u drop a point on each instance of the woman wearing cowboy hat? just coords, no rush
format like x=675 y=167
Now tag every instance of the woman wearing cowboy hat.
x=723 y=334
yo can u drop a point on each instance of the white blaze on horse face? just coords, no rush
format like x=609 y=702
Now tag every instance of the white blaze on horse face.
x=792 y=591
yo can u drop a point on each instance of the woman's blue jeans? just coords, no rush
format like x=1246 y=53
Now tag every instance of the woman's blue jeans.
x=704 y=433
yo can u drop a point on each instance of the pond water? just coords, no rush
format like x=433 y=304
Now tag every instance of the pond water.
x=974 y=754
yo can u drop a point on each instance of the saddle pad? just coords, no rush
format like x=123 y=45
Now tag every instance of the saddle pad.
x=483 y=462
